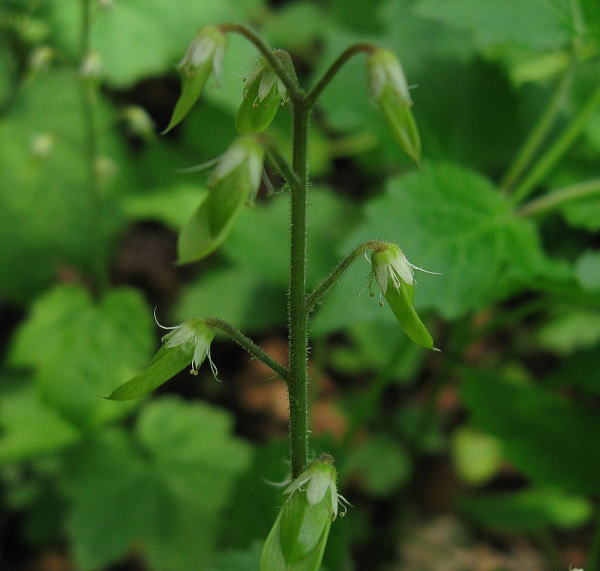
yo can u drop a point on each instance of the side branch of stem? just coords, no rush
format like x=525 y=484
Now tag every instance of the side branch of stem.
x=559 y=197
x=315 y=297
x=247 y=344
x=328 y=76
x=290 y=82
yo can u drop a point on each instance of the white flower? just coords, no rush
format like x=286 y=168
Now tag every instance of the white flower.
x=245 y=151
x=195 y=333
x=315 y=481
x=385 y=71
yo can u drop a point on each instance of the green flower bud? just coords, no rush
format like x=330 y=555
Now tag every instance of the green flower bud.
x=203 y=56
x=394 y=276
x=299 y=535
x=235 y=180
x=188 y=342
x=263 y=95
x=389 y=89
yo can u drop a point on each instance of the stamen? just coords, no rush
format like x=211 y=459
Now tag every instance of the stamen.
x=213 y=367
x=425 y=271
x=158 y=323
x=201 y=166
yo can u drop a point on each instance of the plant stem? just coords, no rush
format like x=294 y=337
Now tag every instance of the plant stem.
x=88 y=98
x=539 y=132
x=549 y=159
x=280 y=163
x=247 y=344
x=290 y=82
x=593 y=558
x=559 y=197
x=297 y=316
x=335 y=67
x=334 y=276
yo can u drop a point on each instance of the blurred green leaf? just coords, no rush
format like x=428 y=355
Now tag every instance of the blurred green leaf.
x=295 y=26
x=587 y=270
x=527 y=510
x=252 y=303
x=165 y=490
x=80 y=349
x=379 y=465
x=30 y=427
x=172 y=206
x=494 y=22
x=548 y=438
x=568 y=330
x=266 y=251
x=240 y=560
x=476 y=456
x=7 y=68
x=140 y=38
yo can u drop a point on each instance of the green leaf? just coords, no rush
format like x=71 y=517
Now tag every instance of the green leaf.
x=30 y=427
x=80 y=349
x=266 y=252
x=246 y=291
x=162 y=492
x=171 y=206
x=548 y=438
x=494 y=22
x=568 y=330
x=379 y=465
x=139 y=38
x=527 y=510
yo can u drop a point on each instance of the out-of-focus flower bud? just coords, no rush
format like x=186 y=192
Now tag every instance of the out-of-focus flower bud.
x=204 y=56
x=394 y=276
x=234 y=181
x=263 y=95
x=299 y=535
x=389 y=90
x=139 y=123
x=40 y=58
x=91 y=66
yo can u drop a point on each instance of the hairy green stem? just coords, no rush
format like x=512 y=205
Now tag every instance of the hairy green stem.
x=279 y=162
x=539 y=132
x=335 y=67
x=247 y=344
x=297 y=316
x=334 y=276
x=88 y=97
x=556 y=151
x=289 y=81
x=559 y=197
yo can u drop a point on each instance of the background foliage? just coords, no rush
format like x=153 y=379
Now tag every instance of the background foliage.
x=484 y=456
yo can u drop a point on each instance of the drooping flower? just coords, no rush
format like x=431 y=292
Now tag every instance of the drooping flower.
x=203 y=56
x=394 y=275
x=389 y=89
x=298 y=537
